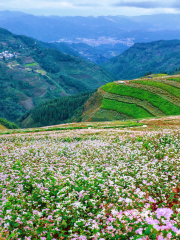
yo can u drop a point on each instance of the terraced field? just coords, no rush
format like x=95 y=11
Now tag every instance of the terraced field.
x=139 y=98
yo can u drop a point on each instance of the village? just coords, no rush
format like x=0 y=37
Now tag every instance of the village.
x=8 y=55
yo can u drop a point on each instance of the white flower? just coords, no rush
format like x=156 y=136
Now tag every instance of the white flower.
x=114 y=212
x=77 y=204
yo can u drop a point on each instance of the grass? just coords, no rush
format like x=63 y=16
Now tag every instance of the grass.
x=31 y=64
x=2 y=127
x=78 y=126
x=42 y=72
x=174 y=79
x=159 y=75
x=165 y=106
x=129 y=109
x=173 y=90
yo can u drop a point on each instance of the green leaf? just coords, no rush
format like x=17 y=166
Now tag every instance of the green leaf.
x=39 y=230
x=148 y=231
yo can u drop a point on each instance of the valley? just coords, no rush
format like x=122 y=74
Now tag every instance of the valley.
x=95 y=32
x=36 y=74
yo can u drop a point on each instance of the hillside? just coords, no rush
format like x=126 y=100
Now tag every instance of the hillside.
x=31 y=73
x=142 y=58
x=140 y=98
x=56 y=111
x=2 y=127
x=5 y=124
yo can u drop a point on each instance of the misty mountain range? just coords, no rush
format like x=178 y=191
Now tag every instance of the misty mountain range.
x=53 y=28
x=96 y=39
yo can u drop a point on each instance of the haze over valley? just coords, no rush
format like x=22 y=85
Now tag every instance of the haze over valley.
x=108 y=35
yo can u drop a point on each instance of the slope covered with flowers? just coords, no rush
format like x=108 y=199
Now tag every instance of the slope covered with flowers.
x=109 y=186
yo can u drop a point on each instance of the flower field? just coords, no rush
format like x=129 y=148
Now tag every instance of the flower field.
x=99 y=184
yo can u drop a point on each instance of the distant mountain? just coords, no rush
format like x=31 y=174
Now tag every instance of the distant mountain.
x=31 y=73
x=135 y=99
x=96 y=39
x=144 y=58
x=80 y=29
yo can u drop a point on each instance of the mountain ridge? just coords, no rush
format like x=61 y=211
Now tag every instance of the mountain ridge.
x=142 y=58
x=31 y=73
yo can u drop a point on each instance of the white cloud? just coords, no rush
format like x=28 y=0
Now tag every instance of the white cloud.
x=92 y=7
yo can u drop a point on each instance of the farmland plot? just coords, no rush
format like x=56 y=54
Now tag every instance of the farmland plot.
x=110 y=185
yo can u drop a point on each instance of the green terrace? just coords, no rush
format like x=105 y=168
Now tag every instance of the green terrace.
x=143 y=98
x=31 y=64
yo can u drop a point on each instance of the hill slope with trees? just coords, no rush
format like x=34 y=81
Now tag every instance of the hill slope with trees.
x=59 y=110
x=31 y=73
x=144 y=58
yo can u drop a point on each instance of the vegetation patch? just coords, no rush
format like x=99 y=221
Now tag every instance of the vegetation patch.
x=129 y=109
x=143 y=59
x=165 y=106
x=55 y=111
x=174 y=79
x=174 y=91
x=31 y=64
x=8 y=124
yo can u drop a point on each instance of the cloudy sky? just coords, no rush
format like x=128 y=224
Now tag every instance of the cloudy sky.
x=92 y=7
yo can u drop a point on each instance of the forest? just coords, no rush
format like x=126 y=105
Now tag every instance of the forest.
x=56 y=111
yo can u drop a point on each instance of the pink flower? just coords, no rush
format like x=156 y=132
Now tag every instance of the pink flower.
x=139 y=231
x=174 y=229
x=110 y=219
x=151 y=200
x=160 y=237
x=81 y=195
x=50 y=217
x=169 y=235
x=82 y=238
x=164 y=212
x=152 y=221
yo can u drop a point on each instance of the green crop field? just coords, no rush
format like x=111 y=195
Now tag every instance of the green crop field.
x=174 y=79
x=129 y=109
x=170 y=89
x=31 y=64
x=154 y=97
